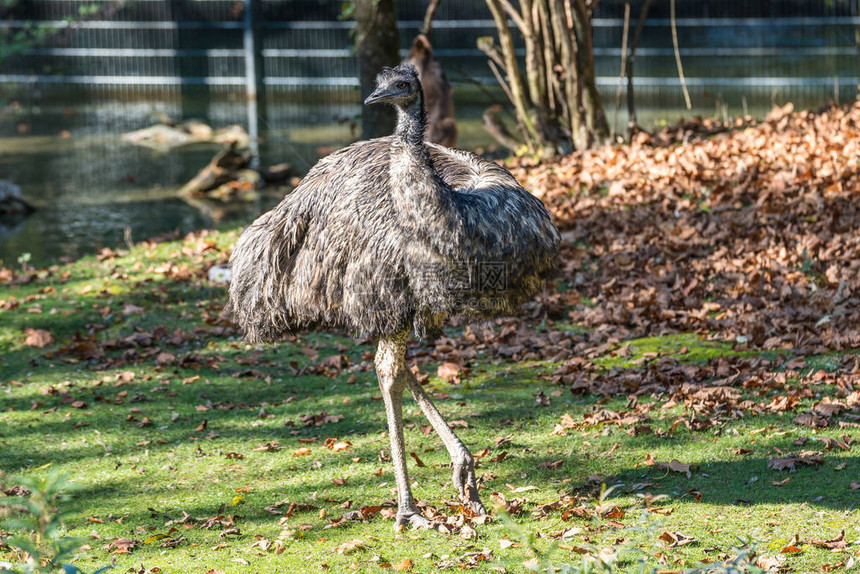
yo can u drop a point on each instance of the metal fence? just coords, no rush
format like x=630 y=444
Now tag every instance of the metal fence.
x=190 y=51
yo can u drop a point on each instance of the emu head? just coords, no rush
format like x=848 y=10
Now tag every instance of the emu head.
x=397 y=86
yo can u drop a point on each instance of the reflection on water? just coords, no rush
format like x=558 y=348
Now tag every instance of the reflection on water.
x=89 y=190
x=62 y=230
x=89 y=185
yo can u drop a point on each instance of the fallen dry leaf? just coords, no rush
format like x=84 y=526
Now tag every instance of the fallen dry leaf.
x=676 y=539
x=674 y=465
x=121 y=545
x=837 y=543
x=812 y=420
x=335 y=445
x=450 y=372
x=37 y=338
x=467 y=532
x=130 y=309
x=165 y=358
x=320 y=419
x=745 y=199
x=349 y=547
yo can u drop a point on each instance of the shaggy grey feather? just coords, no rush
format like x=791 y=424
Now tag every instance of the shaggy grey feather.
x=389 y=234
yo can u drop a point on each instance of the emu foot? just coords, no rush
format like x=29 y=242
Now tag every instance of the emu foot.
x=467 y=486
x=414 y=518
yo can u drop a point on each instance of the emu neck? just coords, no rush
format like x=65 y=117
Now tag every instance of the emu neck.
x=421 y=198
x=411 y=121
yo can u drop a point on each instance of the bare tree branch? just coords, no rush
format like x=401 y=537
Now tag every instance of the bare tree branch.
x=637 y=34
x=678 y=54
x=487 y=46
x=512 y=69
x=624 y=31
x=514 y=15
x=497 y=129
x=428 y=17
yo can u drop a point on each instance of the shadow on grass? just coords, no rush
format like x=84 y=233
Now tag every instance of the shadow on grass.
x=726 y=483
x=52 y=437
x=746 y=481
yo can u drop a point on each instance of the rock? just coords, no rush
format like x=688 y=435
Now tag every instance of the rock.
x=12 y=202
x=251 y=176
x=197 y=130
x=278 y=174
x=165 y=137
x=220 y=274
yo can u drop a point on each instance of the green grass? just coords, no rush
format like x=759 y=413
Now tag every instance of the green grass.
x=135 y=478
x=686 y=347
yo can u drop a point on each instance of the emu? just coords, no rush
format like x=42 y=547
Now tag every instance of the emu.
x=391 y=235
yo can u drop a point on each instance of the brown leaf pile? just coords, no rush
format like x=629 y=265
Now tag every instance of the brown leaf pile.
x=749 y=235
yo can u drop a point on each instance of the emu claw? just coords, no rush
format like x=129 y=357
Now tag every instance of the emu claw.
x=476 y=506
x=413 y=518
x=467 y=486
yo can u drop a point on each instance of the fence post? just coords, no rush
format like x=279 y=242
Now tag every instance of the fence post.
x=251 y=81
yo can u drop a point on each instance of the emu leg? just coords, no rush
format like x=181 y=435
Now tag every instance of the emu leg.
x=391 y=371
x=462 y=460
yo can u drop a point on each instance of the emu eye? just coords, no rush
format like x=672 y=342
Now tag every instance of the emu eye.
x=400 y=85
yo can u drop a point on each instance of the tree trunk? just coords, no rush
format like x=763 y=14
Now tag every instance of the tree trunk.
x=596 y=127
x=377 y=44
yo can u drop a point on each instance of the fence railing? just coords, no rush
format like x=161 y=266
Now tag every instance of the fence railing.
x=192 y=50
x=780 y=51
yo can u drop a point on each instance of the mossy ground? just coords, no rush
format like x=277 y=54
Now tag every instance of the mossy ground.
x=134 y=477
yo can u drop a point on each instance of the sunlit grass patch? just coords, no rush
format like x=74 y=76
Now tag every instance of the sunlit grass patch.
x=686 y=347
x=217 y=428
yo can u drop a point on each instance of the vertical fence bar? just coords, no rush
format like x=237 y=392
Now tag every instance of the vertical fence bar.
x=251 y=83
x=857 y=49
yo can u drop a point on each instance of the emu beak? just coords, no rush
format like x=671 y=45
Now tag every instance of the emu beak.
x=377 y=95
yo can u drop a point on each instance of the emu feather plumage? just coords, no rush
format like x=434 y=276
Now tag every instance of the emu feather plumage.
x=345 y=251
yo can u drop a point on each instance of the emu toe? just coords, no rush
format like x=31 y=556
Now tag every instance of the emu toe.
x=413 y=518
x=467 y=486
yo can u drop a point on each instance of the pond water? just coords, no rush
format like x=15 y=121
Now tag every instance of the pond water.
x=90 y=187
